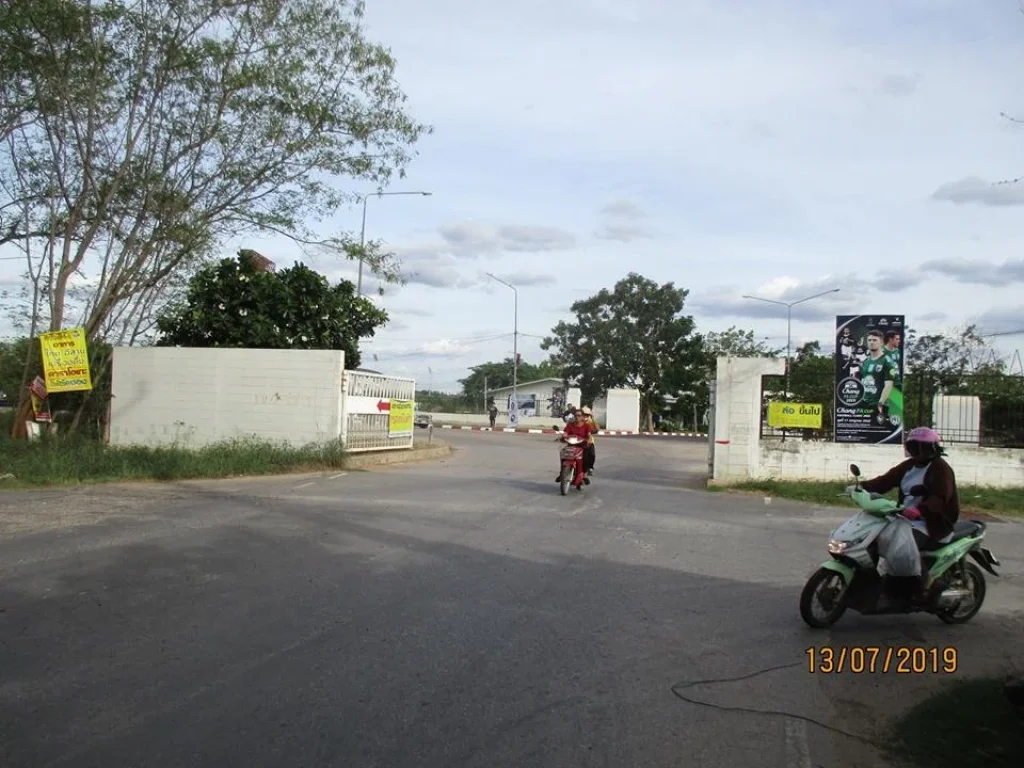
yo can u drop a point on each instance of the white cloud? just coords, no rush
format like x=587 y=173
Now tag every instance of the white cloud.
x=975 y=272
x=444 y=348
x=472 y=239
x=623 y=209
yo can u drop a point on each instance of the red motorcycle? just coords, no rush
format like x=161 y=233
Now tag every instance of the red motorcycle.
x=572 y=464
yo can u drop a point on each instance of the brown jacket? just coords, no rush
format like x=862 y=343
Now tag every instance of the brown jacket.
x=940 y=508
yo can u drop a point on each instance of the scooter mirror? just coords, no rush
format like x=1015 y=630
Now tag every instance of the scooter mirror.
x=855 y=470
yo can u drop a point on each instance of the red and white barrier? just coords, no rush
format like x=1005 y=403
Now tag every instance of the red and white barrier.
x=528 y=431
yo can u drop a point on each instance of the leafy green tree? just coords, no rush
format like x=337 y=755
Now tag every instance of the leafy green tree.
x=812 y=380
x=498 y=375
x=429 y=401
x=965 y=364
x=736 y=342
x=732 y=342
x=236 y=303
x=136 y=138
x=635 y=336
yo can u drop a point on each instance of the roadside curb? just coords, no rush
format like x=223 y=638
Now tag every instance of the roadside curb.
x=532 y=431
x=382 y=458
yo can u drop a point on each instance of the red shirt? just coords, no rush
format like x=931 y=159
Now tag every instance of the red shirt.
x=579 y=429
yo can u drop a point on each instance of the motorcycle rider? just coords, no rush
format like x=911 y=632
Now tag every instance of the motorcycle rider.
x=590 y=452
x=574 y=427
x=932 y=515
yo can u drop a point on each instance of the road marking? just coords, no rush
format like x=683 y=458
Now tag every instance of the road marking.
x=304 y=485
x=340 y=474
x=798 y=754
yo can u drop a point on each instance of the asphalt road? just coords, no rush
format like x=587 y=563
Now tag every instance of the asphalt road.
x=449 y=613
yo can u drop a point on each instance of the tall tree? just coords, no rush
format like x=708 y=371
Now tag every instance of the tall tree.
x=636 y=336
x=237 y=303
x=139 y=135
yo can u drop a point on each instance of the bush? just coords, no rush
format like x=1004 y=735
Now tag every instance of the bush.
x=52 y=461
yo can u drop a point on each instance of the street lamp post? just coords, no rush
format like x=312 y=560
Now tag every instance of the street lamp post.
x=789 y=323
x=362 y=232
x=515 y=342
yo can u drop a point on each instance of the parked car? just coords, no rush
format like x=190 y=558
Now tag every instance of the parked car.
x=423 y=420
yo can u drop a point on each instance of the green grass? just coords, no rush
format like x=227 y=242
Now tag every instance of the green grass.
x=969 y=723
x=55 y=462
x=999 y=501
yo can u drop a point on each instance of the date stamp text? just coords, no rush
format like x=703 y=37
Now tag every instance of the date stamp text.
x=872 y=659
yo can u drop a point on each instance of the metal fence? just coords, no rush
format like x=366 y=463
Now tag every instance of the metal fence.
x=366 y=415
x=984 y=409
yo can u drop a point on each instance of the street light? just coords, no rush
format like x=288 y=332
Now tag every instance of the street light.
x=515 y=344
x=789 y=322
x=362 y=234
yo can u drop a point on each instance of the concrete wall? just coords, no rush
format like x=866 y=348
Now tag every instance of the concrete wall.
x=622 y=410
x=164 y=395
x=740 y=454
x=809 y=460
x=738 y=415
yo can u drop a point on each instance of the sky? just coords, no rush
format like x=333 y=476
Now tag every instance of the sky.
x=773 y=148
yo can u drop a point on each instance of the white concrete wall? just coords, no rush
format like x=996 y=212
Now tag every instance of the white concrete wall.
x=810 y=460
x=623 y=410
x=191 y=396
x=738 y=415
x=740 y=454
x=575 y=397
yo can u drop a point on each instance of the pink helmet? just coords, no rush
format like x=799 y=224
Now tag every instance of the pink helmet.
x=924 y=435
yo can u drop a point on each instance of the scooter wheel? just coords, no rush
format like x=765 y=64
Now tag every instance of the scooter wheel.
x=976 y=581
x=566 y=480
x=818 y=582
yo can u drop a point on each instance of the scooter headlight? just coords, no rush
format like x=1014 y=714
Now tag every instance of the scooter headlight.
x=838 y=546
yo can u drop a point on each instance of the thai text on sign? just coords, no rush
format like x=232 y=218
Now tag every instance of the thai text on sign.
x=795 y=415
x=65 y=360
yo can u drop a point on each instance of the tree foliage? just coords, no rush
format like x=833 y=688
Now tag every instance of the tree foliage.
x=735 y=342
x=234 y=303
x=136 y=136
x=499 y=375
x=636 y=336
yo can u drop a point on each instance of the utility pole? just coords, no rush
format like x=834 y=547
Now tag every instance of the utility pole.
x=789 y=323
x=515 y=346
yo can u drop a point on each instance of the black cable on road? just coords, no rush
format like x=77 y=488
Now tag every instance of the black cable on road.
x=683 y=685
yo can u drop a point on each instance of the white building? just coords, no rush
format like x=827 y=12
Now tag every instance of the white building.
x=543 y=397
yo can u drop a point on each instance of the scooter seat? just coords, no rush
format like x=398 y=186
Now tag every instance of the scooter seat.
x=966 y=528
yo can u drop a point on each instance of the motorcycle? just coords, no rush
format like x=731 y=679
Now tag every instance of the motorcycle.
x=851 y=579
x=572 y=463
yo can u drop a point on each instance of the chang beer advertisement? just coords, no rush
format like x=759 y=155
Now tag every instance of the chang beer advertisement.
x=869 y=379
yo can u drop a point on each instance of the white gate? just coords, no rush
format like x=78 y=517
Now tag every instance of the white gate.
x=367 y=422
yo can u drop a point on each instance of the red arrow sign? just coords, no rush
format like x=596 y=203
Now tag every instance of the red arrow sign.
x=383 y=405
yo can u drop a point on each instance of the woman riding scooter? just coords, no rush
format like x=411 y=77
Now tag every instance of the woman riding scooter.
x=932 y=515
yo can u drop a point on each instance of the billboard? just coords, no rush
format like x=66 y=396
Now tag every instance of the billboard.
x=868 y=406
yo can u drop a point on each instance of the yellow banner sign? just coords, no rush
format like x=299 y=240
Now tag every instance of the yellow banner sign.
x=794 y=415
x=65 y=360
x=400 y=421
